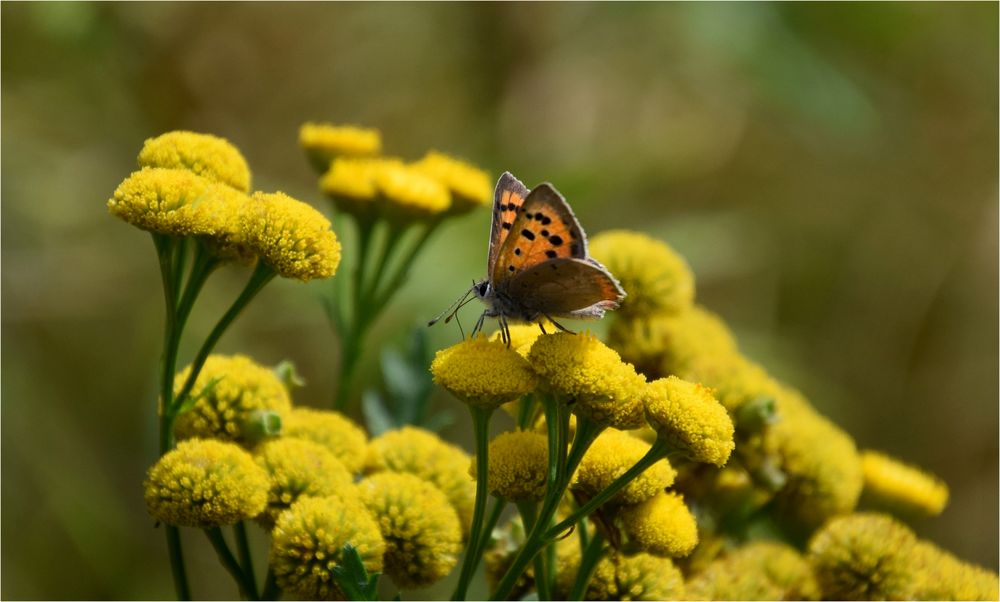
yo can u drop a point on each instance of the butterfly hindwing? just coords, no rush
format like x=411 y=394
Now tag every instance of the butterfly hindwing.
x=544 y=229
x=507 y=200
x=566 y=287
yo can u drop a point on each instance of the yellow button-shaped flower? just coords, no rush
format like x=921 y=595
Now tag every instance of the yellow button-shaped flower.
x=470 y=186
x=483 y=373
x=206 y=155
x=334 y=431
x=687 y=417
x=325 y=141
x=297 y=468
x=308 y=540
x=661 y=525
x=291 y=237
x=654 y=276
x=519 y=465
x=205 y=483
x=610 y=456
x=421 y=529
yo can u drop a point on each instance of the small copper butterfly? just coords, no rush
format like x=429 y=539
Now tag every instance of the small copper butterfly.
x=538 y=266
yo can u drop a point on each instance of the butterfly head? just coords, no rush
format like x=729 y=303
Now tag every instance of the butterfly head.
x=482 y=288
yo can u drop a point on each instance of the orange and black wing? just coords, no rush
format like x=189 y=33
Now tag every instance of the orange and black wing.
x=507 y=200
x=544 y=229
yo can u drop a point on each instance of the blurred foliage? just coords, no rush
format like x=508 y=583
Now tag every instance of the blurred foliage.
x=829 y=170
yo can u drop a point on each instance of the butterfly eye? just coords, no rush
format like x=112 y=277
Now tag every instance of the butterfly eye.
x=483 y=287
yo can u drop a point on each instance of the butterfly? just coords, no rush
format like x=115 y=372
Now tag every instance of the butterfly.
x=538 y=267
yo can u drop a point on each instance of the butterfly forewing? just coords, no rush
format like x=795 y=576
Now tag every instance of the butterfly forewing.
x=507 y=200
x=544 y=229
x=566 y=287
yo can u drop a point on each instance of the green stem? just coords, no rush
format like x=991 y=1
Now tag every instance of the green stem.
x=353 y=326
x=165 y=252
x=247 y=588
x=491 y=522
x=177 y=569
x=657 y=452
x=481 y=429
x=384 y=295
x=243 y=549
x=271 y=590
x=557 y=425
x=262 y=274
x=588 y=562
x=560 y=473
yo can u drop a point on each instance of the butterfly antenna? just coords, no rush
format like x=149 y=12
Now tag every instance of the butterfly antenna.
x=451 y=308
x=454 y=314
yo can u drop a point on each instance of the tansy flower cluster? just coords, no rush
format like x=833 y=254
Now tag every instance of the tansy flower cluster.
x=679 y=466
x=394 y=206
x=313 y=482
x=658 y=463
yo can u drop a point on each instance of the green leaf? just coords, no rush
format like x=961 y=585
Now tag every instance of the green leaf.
x=353 y=578
x=378 y=418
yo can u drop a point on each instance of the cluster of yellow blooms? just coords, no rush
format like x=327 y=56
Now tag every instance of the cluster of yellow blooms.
x=198 y=185
x=745 y=448
x=660 y=464
x=315 y=483
x=367 y=185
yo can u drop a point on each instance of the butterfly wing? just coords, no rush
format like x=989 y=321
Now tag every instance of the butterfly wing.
x=566 y=287
x=544 y=229
x=508 y=198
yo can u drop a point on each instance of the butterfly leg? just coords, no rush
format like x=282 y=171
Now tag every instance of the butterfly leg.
x=557 y=325
x=504 y=330
x=542 y=326
x=478 y=326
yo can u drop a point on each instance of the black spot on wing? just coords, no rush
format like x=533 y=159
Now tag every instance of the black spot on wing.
x=544 y=233
x=517 y=251
x=528 y=234
x=510 y=268
x=551 y=254
x=506 y=225
x=546 y=220
x=556 y=240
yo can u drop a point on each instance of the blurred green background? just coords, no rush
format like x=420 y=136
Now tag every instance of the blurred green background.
x=830 y=172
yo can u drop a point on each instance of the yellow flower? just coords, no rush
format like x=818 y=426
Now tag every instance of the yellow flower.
x=419 y=452
x=895 y=485
x=205 y=483
x=343 y=438
x=825 y=479
x=483 y=373
x=232 y=394
x=864 y=556
x=661 y=525
x=663 y=344
x=654 y=276
x=297 y=468
x=324 y=141
x=582 y=370
x=610 y=456
x=942 y=576
x=523 y=336
x=735 y=380
x=420 y=528
x=759 y=570
x=351 y=183
x=410 y=194
x=308 y=540
x=638 y=577
x=206 y=155
x=290 y=236
x=176 y=202
x=519 y=465
x=470 y=186
x=686 y=416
